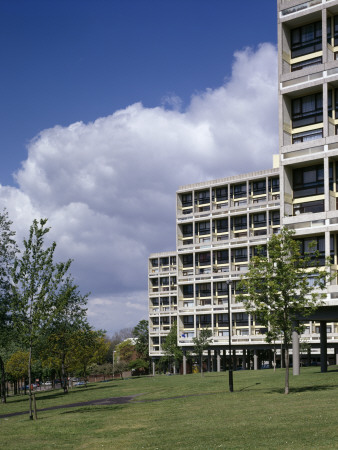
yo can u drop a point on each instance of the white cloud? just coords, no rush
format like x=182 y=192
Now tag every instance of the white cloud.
x=108 y=187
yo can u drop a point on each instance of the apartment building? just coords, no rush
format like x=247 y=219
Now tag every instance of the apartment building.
x=222 y=223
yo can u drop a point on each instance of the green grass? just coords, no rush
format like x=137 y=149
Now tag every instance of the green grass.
x=257 y=415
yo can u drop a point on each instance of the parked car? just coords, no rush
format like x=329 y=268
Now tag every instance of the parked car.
x=79 y=383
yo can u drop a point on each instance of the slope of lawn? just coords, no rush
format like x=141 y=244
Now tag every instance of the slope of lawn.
x=185 y=412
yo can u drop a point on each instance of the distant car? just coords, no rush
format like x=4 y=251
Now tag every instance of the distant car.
x=79 y=383
x=47 y=383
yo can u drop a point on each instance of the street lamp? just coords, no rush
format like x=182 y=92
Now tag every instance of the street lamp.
x=231 y=383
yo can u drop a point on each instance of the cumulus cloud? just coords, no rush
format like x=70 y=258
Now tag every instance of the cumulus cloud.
x=108 y=187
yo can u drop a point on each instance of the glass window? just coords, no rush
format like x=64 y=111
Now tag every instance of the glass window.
x=308 y=181
x=307 y=110
x=187 y=230
x=306 y=39
x=188 y=260
x=202 y=228
x=186 y=200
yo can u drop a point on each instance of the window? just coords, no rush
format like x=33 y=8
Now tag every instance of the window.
x=238 y=190
x=221 y=320
x=259 y=220
x=165 y=301
x=203 y=290
x=274 y=184
x=188 y=321
x=241 y=318
x=172 y=260
x=155 y=301
x=221 y=194
x=258 y=250
x=259 y=187
x=164 y=261
x=239 y=223
x=307 y=110
x=274 y=218
x=154 y=262
x=164 y=281
x=308 y=181
x=187 y=230
x=221 y=257
x=314 y=248
x=307 y=63
x=188 y=291
x=202 y=197
x=220 y=226
x=203 y=320
x=221 y=288
x=308 y=207
x=306 y=39
x=186 y=200
x=332 y=22
x=307 y=136
x=188 y=260
x=204 y=258
x=240 y=254
x=202 y=228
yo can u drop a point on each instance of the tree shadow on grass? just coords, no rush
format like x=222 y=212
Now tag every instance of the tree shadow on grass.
x=297 y=390
x=95 y=409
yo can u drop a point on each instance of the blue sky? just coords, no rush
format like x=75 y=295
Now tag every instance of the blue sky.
x=108 y=106
x=69 y=60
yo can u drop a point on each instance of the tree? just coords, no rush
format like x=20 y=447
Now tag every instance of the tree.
x=87 y=347
x=141 y=334
x=201 y=343
x=281 y=287
x=170 y=347
x=8 y=250
x=17 y=366
x=125 y=351
x=36 y=280
x=70 y=318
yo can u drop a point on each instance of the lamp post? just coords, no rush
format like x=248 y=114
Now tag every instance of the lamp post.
x=231 y=383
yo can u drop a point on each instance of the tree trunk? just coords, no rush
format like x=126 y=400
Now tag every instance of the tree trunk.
x=30 y=381
x=201 y=364
x=63 y=376
x=3 y=381
x=287 y=363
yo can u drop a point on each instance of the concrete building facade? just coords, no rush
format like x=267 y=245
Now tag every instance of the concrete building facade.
x=221 y=223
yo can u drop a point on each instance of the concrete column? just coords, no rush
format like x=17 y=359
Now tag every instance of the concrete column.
x=255 y=358
x=218 y=353
x=153 y=366
x=336 y=353
x=244 y=359
x=295 y=351
x=323 y=347
x=225 y=359
x=184 y=362
x=209 y=361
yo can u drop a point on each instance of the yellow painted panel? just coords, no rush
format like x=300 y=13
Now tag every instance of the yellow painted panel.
x=306 y=57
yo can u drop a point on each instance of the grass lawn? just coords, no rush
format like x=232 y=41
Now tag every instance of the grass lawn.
x=257 y=415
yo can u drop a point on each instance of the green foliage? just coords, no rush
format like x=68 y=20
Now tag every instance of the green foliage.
x=283 y=286
x=125 y=351
x=36 y=280
x=170 y=347
x=8 y=251
x=139 y=366
x=17 y=365
x=201 y=343
x=141 y=334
